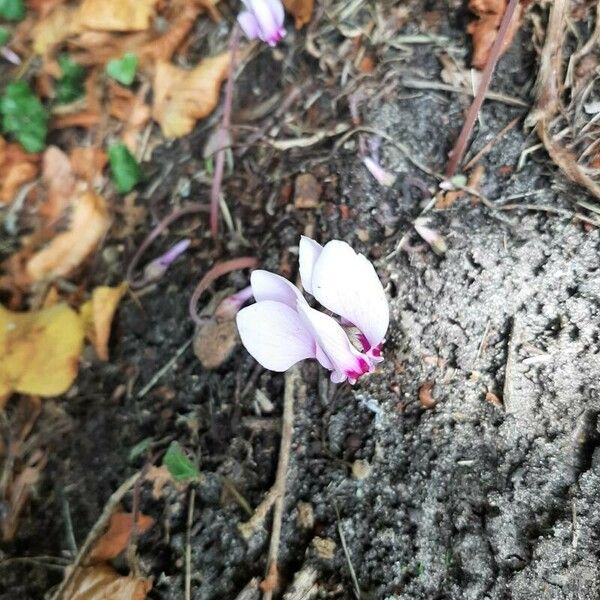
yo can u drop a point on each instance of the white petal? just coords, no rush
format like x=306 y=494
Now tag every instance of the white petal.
x=269 y=286
x=276 y=8
x=274 y=335
x=267 y=24
x=346 y=361
x=308 y=255
x=249 y=24
x=346 y=283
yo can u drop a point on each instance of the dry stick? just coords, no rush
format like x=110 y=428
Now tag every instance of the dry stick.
x=96 y=531
x=215 y=190
x=280 y=480
x=460 y=146
x=491 y=143
x=188 y=546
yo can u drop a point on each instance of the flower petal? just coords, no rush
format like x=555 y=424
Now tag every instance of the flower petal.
x=249 y=24
x=345 y=360
x=276 y=8
x=269 y=286
x=347 y=284
x=274 y=335
x=308 y=255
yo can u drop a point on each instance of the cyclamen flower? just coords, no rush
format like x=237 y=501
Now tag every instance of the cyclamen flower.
x=282 y=329
x=263 y=19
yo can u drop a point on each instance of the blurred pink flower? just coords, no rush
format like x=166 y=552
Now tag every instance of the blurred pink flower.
x=263 y=19
x=282 y=329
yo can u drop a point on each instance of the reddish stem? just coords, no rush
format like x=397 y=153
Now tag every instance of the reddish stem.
x=215 y=190
x=244 y=262
x=457 y=153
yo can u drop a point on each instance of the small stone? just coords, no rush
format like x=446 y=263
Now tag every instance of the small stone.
x=324 y=547
x=362 y=235
x=263 y=403
x=308 y=191
x=214 y=342
x=361 y=469
x=306 y=515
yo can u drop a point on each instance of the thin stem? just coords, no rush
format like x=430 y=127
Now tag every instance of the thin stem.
x=457 y=153
x=215 y=190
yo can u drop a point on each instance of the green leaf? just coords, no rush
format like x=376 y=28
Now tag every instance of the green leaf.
x=139 y=449
x=24 y=116
x=12 y=10
x=123 y=69
x=179 y=465
x=70 y=86
x=126 y=172
x=4 y=36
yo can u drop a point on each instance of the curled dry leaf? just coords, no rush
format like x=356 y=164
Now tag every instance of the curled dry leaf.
x=97 y=315
x=425 y=395
x=58 y=26
x=39 y=351
x=182 y=97
x=16 y=168
x=59 y=181
x=88 y=162
x=102 y=582
x=301 y=10
x=116 y=538
x=89 y=222
x=117 y=15
x=485 y=28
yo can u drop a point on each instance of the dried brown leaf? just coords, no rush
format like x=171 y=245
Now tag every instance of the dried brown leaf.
x=116 y=538
x=117 y=15
x=301 y=10
x=16 y=168
x=102 y=582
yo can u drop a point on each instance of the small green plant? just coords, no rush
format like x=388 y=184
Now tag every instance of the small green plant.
x=12 y=10
x=179 y=465
x=70 y=86
x=123 y=69
x=24 y=116
x=4 y=36
x=125 y=170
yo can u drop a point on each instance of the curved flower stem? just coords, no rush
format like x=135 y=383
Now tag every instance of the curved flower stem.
x=186 y=209
x=243 y=262
x=215 y=190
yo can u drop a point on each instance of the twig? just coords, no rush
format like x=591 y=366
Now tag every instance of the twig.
x=215 y=190
x=165 y=368
x=460 y=146
x=491 y=143
x=346 y=552
x=96 y=531
x=423 y=84
x=71 y=542
x=272 y=578
x=188 y=546
x=311 y=140
x=510 y=365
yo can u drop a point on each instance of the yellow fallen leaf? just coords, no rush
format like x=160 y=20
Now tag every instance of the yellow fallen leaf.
x=16 y=168
x=39 y=351
x=182 y=97
x=88 y=223
x=117 y=15
x=97 y=315
x=102 y=582
x=62 y=23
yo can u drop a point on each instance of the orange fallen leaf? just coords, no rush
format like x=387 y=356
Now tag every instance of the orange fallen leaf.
x=102 y=582
x=97 y=315
x=39 y=351
x=89 y=222
x=182 y=97
x=301 y=10
x=59 y=181
x=485 y=29
x=16 y=168
x=88 y=162
x=117 y=15
x=116 y=538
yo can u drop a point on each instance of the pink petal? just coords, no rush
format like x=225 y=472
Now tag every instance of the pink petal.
x=249 y=24
x=274 y=335
x=308 y=255
x=345 y=360
x=268 y=286
x=346 y=283
x=276 y=8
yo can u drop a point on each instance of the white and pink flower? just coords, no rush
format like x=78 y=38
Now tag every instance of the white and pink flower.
x=263 y=19
x=281 y=328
